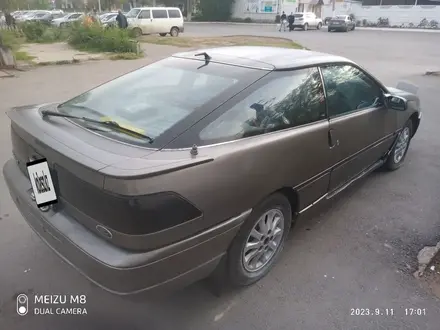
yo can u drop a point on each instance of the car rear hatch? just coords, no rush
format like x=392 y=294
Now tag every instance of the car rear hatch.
x=299 y=17
x=337 y=21
x=79 y=161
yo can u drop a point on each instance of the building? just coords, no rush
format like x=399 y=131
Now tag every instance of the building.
x=398 y=12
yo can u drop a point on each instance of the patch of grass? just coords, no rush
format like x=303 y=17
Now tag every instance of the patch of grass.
x=125 y=56
x=23 y=56
x=12 y=39
x=188 y=42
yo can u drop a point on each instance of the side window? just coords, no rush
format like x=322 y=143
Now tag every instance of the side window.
x=349 y=89
x=144 y=14
x=174 y=13
x=289 y=99
x=160 y=13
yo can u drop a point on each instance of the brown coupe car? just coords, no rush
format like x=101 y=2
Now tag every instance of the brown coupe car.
x=150 y=180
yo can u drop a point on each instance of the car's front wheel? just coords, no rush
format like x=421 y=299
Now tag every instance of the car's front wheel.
x=260 y=241
x=137 y=32
x=306 y=27
x=319 y=26
x=398 y=153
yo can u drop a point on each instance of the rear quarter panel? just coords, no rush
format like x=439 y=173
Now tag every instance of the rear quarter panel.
x=242 y=172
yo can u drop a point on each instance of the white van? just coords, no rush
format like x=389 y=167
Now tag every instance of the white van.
x=155 y=20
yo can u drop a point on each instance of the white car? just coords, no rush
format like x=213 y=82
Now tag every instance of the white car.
x=155 y=20
x=306 y=21
x=66 y=20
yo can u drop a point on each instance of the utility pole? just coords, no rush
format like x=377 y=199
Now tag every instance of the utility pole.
x=333 y=8
x=189 y=5
x=99 y=6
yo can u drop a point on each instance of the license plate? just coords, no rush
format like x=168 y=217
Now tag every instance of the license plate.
x=41 y=181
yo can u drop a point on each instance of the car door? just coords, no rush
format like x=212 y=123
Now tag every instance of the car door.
x=362 y=129
x=145 y=22
x=160 y=21
x=278 y=127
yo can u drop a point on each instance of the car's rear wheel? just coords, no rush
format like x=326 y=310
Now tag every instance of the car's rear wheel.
x=174 y=32
x=353 y=27
x=260 y=241
x=319 y=26
x=398 y=153
x=306 y=27
x=162 y=34
x=329 y=30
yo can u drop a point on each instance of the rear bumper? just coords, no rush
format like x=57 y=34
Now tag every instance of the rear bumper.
x=114 y=269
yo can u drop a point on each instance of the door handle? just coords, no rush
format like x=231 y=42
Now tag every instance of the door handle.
x=332 y=140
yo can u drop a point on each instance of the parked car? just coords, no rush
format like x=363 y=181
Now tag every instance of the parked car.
x=67 y=19
x=109 y=20
x=141 y=189
x=156 y=20
x=307 y=20
x=45 y=17
x=341 y=23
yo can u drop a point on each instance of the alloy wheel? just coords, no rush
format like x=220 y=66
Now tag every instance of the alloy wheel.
x=263 y=241
x=401 y=145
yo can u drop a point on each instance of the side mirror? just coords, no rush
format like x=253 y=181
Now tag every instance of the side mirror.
x=396 y=102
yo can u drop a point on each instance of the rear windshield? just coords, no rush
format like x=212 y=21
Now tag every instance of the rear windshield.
x=157 y=97
x=340 y=17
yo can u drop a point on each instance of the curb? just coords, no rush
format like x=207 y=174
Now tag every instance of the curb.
x=357 y=27
x=60 y=62
x=432 y=73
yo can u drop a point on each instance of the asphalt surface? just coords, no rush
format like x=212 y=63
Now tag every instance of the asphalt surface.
x=359 y=251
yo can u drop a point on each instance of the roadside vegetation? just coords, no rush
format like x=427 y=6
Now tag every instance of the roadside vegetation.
x=188 y=42
x=91 y=38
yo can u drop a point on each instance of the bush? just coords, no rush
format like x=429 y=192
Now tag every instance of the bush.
x=95 y=38
x=41 y=33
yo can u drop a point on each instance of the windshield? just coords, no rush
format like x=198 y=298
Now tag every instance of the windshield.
x=340 y=17
x=298 y=15
x=133 y=13
x=154 y=98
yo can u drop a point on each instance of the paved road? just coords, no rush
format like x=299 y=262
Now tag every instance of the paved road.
x=357 y=252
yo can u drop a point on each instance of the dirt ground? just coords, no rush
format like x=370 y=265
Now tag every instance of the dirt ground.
x=221 y=41
x=431 y=278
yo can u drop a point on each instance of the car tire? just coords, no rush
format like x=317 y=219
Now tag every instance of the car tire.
x=306 y=27
x=329 y=30
x=174 y=32
x=137 y=32
x=353 y=27
x=319 y=26
x=162 y=34
x=400 y=148
x=242 y=272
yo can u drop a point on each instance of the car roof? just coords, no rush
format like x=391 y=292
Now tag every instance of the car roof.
x=265 y=58
x=156 y=8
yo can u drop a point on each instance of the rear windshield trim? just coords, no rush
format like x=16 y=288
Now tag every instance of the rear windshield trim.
x=245 y=77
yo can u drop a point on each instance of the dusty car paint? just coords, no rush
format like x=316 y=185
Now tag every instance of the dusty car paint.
x=170 y=213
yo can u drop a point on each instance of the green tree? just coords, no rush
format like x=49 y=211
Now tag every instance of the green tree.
x=215 y=10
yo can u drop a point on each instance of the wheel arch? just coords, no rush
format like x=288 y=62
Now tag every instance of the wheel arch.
x=415 y=122
x=293 y=198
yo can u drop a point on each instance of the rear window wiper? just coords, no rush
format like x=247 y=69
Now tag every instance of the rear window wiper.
x=107 y=123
